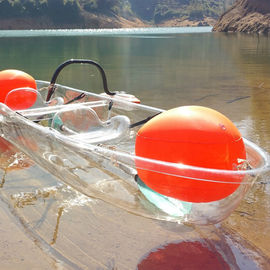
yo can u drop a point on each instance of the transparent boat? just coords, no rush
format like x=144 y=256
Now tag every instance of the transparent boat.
x=87 y=140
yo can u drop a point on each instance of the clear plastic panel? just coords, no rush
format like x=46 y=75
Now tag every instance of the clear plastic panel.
x=108 y=170
x=83 y=124
x=28 y=98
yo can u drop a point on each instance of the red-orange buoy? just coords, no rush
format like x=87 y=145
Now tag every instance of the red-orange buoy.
x=21 y=99
x=11 y=79
x=196 y=136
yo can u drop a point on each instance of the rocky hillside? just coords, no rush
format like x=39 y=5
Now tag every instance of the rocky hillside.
x=250 y=16
x=41 y=14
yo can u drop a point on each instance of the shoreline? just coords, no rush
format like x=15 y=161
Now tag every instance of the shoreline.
x=95 y=22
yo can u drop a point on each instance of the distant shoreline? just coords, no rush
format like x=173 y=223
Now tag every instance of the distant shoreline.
x=95 y=22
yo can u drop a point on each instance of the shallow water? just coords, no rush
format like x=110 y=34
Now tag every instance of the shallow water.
x=65 y=230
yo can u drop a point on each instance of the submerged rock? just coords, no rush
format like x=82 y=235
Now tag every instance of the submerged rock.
x=250 y=16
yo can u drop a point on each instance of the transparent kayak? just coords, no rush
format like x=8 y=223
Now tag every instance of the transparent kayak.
x=87 y=141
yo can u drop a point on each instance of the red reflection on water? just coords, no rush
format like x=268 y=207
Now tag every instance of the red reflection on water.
x=11 y=158
x=183 y=256
x=4 y=145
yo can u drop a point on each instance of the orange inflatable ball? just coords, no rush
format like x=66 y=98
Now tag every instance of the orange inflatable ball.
x=196 y=136
x=11 y=79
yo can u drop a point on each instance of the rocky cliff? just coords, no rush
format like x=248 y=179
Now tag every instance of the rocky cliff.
x=250 y=16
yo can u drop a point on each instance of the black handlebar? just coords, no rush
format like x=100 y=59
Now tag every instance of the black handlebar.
x=51 y=88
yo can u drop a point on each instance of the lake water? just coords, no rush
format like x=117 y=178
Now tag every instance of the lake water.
x=46 y=225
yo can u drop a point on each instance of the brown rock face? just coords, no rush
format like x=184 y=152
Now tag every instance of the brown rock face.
x=250 y=16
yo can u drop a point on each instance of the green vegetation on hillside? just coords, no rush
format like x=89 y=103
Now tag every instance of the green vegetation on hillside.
x=58 y=10
x=159 y=10
x=109 y=7
x=153 y=11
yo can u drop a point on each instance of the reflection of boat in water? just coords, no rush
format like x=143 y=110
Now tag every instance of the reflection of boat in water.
x=88 y=141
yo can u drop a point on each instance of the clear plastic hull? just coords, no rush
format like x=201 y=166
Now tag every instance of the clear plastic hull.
x=99 y=161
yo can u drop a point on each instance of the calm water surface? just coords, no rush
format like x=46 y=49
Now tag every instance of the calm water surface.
x=166 y=68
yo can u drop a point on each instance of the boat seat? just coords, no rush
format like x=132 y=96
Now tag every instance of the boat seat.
x=83 y=124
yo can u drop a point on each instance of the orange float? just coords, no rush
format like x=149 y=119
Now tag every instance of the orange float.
x=196 y=136
x=11 y=79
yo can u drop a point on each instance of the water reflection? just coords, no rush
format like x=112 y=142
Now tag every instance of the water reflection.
x=195 y=255
x=227 y=72
x=251 y=56
x=184 y=255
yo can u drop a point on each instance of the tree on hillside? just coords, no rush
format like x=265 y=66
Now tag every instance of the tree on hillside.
x=34 y=7
x=64 y=10
x=144 y=9
x=106 y=4
x=9 y=8
x=103 y=6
